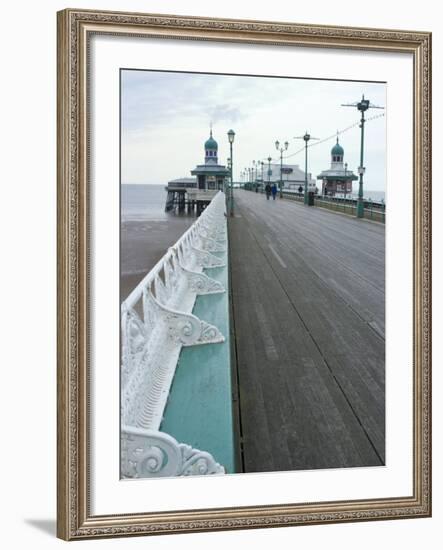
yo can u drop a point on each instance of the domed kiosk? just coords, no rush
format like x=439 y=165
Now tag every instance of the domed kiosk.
x=210 y=175
x=198 y=191
x=338 y=179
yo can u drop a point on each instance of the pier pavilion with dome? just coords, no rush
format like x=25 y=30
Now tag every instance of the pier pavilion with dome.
x=198 y=191
x=211 y=175
x=337 y=180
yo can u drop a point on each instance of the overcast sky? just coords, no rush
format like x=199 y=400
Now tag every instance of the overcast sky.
x=166 y=117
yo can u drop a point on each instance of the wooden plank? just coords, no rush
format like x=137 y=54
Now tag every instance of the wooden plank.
x=308 y=308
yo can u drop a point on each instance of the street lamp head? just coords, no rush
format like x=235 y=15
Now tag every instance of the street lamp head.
x=269 y=159
x=286 y=144
x=231 y=135
x=306 y=137
x=363 y=105
x=277 y=144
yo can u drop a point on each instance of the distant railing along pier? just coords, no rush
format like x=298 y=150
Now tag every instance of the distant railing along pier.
x=373 y=210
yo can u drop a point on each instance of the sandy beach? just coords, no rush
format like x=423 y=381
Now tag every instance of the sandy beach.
x=143 y=243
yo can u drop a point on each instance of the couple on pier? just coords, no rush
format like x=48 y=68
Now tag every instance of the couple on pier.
x=270 y=189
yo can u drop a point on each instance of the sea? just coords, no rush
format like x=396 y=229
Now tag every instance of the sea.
x=376 y=196
x=147 y=202
x=147 y=231
x=143 y=203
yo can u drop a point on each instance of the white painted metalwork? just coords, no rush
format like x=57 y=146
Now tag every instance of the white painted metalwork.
x=157 y=321
x=149 y=453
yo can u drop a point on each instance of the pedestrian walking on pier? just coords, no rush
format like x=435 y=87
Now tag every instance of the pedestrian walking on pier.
x=274 y=191
x=268 y=190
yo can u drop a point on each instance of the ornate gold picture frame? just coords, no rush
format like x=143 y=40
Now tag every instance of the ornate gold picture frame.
x=76 y=519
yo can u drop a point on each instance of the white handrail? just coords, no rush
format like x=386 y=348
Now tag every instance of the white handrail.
x=157 y=321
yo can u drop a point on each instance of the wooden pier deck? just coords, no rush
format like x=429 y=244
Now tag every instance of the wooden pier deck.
x=308 y=314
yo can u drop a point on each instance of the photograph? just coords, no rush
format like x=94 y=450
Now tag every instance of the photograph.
x=252 y=273
x=244 y=293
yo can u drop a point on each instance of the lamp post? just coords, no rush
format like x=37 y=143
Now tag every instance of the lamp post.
x=346 y=181
x=362 y=106
x=281 y=149
x=254 y=170
x=231 y=135
x=307 y=137
x=269 y=169
x=262 y=172
x=251 y=178
x=228 y=163
x=257 y=165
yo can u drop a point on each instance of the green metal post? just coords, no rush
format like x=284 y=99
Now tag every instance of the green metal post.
x=360 y=203
x=281 y=149
x=231 y=202
x=269 y=170
x=281 y=174
x=231 y=135
x=362 y=106
x=306 y=138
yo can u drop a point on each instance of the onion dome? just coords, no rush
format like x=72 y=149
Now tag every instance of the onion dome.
x=211 y=144
x=337 y=150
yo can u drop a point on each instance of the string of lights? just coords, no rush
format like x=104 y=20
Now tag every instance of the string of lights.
x=332 y=136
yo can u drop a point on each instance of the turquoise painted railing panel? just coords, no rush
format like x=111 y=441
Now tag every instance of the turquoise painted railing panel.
x=157 y=324
x=199 y=409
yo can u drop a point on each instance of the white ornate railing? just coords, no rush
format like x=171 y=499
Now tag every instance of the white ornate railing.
x=149 y=453
x=157 y=321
